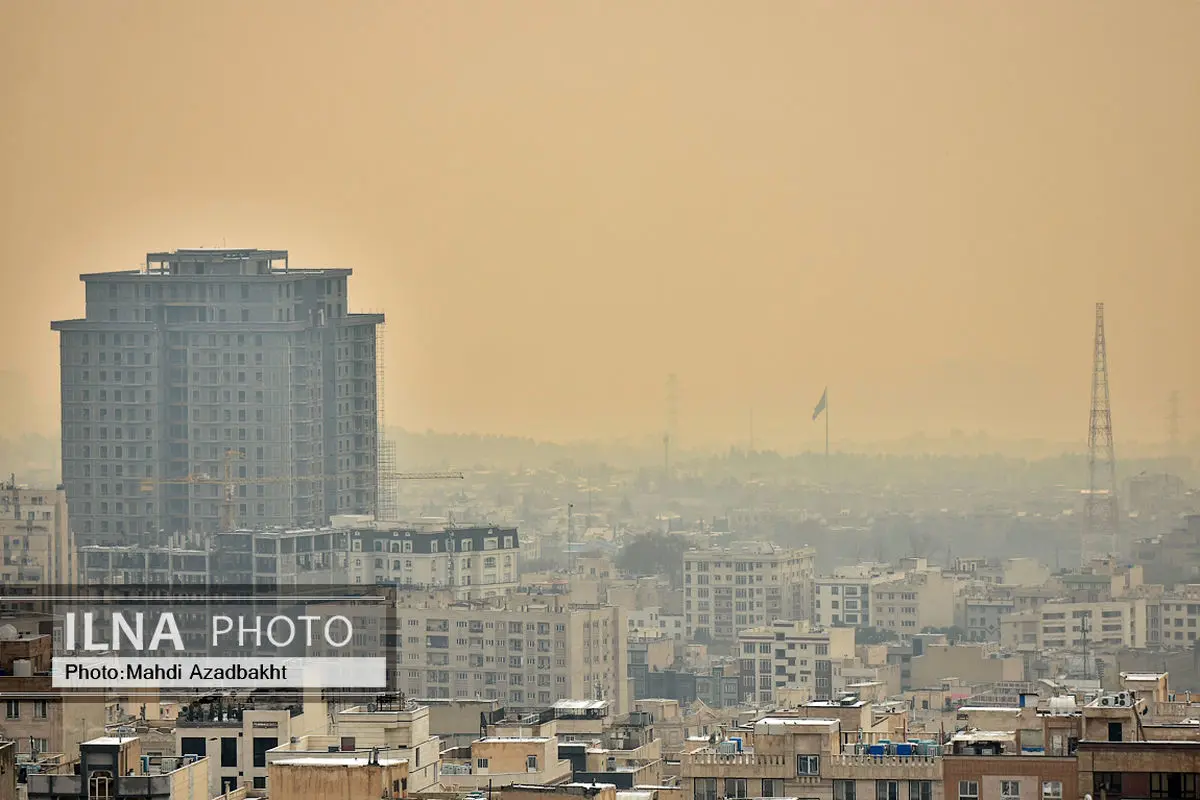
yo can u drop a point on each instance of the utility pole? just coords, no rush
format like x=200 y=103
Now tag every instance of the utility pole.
x=1100 y=508
x=1084 y=624
x=570 y=539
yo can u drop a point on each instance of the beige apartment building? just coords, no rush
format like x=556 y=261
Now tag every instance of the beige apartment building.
x=727 y=590
x=398 y=726
x=922 y=598
x=236 y=737
x=35 y=532
x=527 y=655
x=321 y=768
x=786 y=755
x=1058 y=625
x=792 y=653
x=40 y=718
x=507 y=754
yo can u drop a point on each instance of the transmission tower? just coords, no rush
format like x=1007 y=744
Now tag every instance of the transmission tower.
x=1100 y=508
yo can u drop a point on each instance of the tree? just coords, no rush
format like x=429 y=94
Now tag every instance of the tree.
x=872 y=636
x=953 y=633
x=653 y=554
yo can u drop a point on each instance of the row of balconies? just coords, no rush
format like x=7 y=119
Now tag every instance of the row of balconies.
x=707 y=763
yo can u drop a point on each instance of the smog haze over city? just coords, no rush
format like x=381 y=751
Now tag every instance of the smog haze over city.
x=641 y=400
x=558 y=205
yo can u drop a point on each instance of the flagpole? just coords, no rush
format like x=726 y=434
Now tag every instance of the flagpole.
x=827 y=435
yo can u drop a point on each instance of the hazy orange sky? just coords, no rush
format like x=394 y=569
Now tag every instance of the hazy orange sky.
x=559 y=203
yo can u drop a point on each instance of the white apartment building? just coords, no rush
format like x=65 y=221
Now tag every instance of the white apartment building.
x=923 y=597
x=1059 y=625
x=527 y=655
x=1173 y=620
x=844 y=598
x=475 y=562
x=791 y=653
x=727 y=590
x=652 y=619
x=35 y=531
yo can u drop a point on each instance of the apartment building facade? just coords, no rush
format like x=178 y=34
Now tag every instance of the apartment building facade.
x=727 y=590
x=39 y=716
x=654 y=620
x=212 y=364
x=528 y=655
x=1058 y=625
x=844 y=598
x=792 y=653
x=805 y=757
x=922 y=598
x=473 y=561
x=396 y=725
x=235 y=739
x=35 y=531
x=1173 y=618
x=981 y=617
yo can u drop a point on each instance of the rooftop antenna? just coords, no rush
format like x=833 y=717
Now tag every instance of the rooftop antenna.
x=570 y=539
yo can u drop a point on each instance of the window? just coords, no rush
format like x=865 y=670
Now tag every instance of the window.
x=1174 y=785
x=1107 y=782
x=12 y=709
x=920 y=790
x=41 y=710
x=531 y=763
x=1010 y=790
x=193 y=746
x=845 y=790
x=1052 y=790
x=808 y=765
x=229 y=751
x=1115 y=732
x=772 y=787
x=261 y=745
x=735 y=787
x=887 y=790
x=705 y=788
x=481 y=763
x=968 y=790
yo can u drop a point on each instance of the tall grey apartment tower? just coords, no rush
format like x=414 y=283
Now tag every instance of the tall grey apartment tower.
x=216 y=389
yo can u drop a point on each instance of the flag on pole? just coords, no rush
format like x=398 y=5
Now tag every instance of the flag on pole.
x=821 y=405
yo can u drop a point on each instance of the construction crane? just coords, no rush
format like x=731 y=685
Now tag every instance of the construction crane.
x=231 y=483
